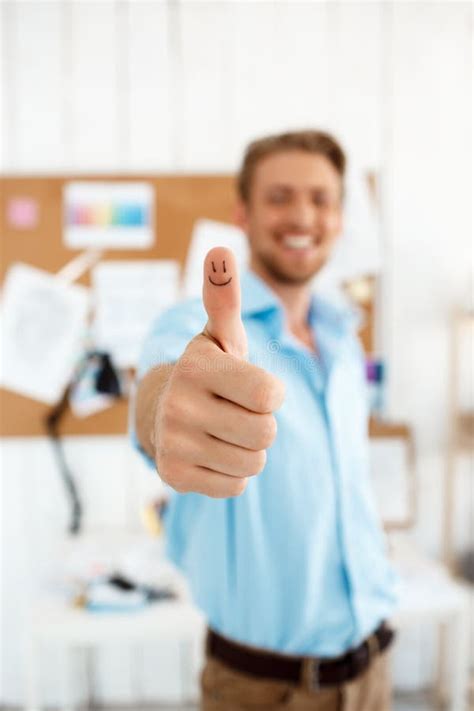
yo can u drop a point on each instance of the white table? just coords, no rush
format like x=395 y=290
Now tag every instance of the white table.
x=54 y=622
x=429 y=593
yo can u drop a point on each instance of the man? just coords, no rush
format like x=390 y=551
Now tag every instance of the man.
x=255 y=413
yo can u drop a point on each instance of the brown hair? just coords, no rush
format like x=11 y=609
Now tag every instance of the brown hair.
x=309 y=141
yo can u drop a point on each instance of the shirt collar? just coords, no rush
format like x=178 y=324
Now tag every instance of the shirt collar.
x=340 y=317
x=258 y=298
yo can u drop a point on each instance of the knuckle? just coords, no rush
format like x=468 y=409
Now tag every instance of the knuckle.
x=215 y=493
x=277 y=390
x=192 y=370
x=199 y=359
x=263 y=396
x=236 y=487
x=170 y=412
x=164 y=444
x=182 y=485
x=167 y=472
x=168 y=436
x=175 y=477
x=260 y=459
x=266 y=431
x=269 y=393
x=178 y=411
x=187 y=368
x=184 y=368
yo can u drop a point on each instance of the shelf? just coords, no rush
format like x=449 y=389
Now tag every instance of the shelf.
x=461 y=439
x=379 y=429
x=463 y=432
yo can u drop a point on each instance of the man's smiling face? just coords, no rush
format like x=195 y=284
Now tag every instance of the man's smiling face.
x=293 y=216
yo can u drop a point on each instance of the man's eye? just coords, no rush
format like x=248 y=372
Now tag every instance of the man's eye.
x=277 y=198
x=320 y=200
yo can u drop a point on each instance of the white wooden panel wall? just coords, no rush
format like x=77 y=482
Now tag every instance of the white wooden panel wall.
x=280 y=68
x=357 y=72
x=185 y=85
x=93 y=84
x=33 y=93
x=204 y=92
x=430 y=196
x=179 y=86
x=148 y=95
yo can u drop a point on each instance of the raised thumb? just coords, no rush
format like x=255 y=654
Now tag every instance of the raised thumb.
x=221 y=296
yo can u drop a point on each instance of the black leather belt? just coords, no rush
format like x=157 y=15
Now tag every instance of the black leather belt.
x=312 y=672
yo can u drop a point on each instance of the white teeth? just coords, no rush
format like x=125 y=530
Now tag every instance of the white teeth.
x=298 y=241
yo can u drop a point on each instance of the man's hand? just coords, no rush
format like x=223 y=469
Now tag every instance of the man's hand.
x=214 y=417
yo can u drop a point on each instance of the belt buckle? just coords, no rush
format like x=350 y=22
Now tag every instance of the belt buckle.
x=373 y=646
x=311 y=666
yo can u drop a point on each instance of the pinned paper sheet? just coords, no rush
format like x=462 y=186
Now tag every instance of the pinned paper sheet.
x=207 y=234
x=128 y=296
x=22 y=213
x=358 y=251
x=108 y=215
x=43 y=325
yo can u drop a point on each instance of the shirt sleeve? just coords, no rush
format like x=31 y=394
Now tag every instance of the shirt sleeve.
x=165 y=343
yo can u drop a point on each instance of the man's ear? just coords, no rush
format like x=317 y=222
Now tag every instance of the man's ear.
x=241 y=215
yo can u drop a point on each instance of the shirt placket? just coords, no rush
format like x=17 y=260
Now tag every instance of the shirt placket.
x=343 y=517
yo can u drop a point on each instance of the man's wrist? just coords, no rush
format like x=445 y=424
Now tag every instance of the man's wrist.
x=150 y=391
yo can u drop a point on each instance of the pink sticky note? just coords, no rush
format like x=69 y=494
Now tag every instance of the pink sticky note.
x=22 y=213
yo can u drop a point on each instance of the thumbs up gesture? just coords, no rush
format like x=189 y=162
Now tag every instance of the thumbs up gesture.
x=214 y=417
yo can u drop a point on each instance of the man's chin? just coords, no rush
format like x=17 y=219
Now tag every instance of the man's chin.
x=294 y=277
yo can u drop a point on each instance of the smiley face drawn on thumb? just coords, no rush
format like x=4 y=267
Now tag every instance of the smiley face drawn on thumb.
x=221 y=296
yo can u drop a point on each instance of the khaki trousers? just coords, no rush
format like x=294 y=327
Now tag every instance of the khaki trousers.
x=224 y=689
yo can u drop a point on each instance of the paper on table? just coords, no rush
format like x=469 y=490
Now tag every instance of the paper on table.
x=128 y=296
x=109 y=215
x=43 y=324
x=207 y=234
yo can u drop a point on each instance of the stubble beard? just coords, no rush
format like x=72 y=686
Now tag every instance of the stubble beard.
x=278 y=273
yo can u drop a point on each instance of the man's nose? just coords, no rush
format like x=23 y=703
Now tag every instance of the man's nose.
x=302 y=214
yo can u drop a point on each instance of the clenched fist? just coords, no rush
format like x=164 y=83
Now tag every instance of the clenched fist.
x=213 y=419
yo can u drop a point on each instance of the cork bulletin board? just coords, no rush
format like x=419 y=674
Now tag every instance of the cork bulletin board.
x=179 y=201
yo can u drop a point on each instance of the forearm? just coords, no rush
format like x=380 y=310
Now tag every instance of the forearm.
x=148 y=396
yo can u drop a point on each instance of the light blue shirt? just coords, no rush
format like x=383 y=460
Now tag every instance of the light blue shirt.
x=297 y=563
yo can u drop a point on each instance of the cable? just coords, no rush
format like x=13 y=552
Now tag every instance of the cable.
x=52 y=426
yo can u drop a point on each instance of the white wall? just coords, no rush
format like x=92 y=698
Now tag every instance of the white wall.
x=182 y=86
